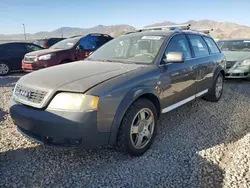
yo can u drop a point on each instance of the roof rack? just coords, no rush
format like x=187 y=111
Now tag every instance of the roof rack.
x=169 y=27
x=206 y=31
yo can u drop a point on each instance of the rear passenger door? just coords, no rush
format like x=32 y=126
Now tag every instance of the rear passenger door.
x=204 y=63
x=178 y=79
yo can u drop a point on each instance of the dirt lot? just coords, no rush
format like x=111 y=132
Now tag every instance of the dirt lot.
x=201 y=144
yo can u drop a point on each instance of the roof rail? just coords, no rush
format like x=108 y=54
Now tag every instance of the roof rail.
x=206 y=31
x=170 y=27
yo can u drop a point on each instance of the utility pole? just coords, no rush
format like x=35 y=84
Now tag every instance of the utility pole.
x=62 y=32
x=24 y=32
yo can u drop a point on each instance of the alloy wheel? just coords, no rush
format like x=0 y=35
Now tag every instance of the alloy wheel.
x=219 y=87
x=4 y=69
x=142 y=128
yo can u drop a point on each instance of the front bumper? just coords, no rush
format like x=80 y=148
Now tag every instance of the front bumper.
x=57 y=128
x=238 y=72
x=40 y=64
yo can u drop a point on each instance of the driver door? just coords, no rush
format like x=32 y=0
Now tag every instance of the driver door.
x=177 y=79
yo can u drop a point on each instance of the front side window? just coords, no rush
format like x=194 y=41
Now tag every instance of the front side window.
x=199 y=46
x=212 y=46
x=130 y=49
x=179 y=43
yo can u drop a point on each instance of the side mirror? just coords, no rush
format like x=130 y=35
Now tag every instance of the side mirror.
x=174 y=57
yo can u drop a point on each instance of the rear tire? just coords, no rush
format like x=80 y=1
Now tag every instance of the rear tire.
x=216 y=91
x=4 y=69
x=138 y=128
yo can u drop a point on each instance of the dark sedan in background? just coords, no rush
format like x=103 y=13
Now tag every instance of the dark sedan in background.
x=237 y=52
x=11 y=55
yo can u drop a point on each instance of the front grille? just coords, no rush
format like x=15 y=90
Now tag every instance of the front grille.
x=230 y=64
x=29 y=58
x=28 y=95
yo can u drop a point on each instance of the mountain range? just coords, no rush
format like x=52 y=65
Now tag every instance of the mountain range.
x=221 y=30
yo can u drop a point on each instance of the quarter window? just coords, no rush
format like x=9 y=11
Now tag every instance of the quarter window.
x=179 y=43
x=199 y=46
x=212 y=46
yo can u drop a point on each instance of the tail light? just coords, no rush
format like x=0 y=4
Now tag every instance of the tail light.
x=45 y=46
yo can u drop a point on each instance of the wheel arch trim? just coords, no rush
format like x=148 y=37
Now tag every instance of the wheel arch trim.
x=126 y=102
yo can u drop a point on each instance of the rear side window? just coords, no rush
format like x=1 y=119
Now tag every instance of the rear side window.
x=179 y=43
x=212 y=46
x=199 y=46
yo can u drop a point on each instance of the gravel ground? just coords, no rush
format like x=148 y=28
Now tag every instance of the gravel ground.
x=201 y=144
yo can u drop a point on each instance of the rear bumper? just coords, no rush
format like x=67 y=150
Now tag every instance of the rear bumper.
x=238 y=72
x=65 y=129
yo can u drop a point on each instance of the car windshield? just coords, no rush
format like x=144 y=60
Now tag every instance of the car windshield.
x=130 y=49
x=65 y=44
x=236 y=45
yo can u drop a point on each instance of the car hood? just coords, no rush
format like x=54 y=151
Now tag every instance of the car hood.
x=42 y=52
x=236 y=55
x=76 y=77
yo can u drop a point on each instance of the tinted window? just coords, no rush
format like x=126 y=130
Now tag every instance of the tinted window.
x=179 y=43
x=90 y=42
x=53 y=41
x=16 y=48
x=212 y=46
x=31 y=47
x=235 y=45
x=199 y=46
x=104 y=39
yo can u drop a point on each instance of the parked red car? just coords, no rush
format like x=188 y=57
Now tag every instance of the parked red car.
x=71 y=49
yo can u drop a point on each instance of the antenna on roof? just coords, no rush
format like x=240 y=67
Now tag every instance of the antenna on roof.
x=169 y=27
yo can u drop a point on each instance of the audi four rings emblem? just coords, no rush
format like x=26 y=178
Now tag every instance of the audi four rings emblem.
x=22 y=93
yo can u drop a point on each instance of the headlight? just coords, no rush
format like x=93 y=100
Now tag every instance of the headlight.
x=74 y=102
x=244 y=63
x=45 y=57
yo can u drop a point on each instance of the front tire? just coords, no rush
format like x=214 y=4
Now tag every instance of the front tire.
x=216 y=91
x=138 y=128
x=4 y=69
